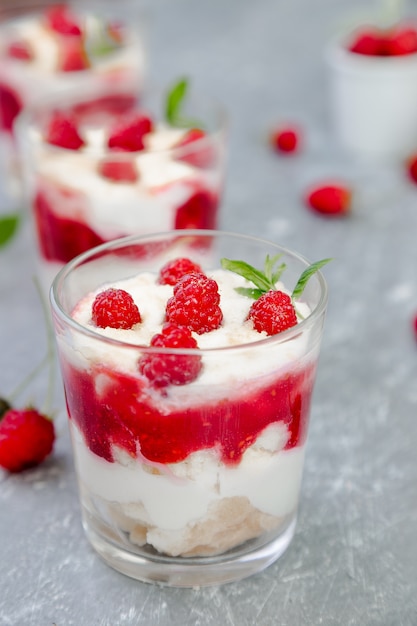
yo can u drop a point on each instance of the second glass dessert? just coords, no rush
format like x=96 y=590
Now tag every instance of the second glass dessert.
x=121 y=164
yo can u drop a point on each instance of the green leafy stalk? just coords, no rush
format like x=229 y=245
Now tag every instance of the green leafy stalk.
x=8 y=227
x=173 y=105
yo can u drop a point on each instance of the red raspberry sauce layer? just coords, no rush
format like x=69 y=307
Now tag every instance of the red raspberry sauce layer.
x=63 y=238
x=124 y=415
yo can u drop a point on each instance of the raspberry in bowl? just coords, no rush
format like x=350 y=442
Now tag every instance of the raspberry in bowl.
x=188 y=378
x=373 y=90
x=127 y=164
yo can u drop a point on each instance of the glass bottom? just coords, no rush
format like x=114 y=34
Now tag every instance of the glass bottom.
x=151 y=567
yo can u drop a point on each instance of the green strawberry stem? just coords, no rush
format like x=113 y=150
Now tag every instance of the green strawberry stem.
x=266 y=280
x=47 y=360
x=173 y=105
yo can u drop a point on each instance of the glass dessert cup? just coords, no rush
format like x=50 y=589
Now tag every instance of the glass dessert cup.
x=87 y=48
x=372 y=102
x=83 y=197
x=186 y=484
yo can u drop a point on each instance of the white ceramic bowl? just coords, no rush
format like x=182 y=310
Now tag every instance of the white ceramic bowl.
x=373 y=102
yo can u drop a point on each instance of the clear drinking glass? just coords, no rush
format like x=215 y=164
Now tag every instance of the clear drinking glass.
x=46 y=49
x=80 y=198
x=196 y=483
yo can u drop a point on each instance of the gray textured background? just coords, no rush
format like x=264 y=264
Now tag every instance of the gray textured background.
x=353 y=561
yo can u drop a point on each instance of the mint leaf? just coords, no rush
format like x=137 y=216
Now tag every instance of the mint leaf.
x=175 y=98
x=249 y=293
x=305 y=277
x=266 y=281
x=173 y=105
x=247 y=271
x=8 y=227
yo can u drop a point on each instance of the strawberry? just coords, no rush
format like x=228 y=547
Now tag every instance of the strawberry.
x=368 y=42
x=164 y=369
x=172 y=271
x=202 y=155
x=10 y=107
x=59 y=18
x=72 y=55
x=273 y=310
x=20 y=50
x=118 y=171
x=129 y=132
x=195 y=303
x=26 y=439
x=115 y=308
x=62 y=131
x=285 y=139
x=329 y=199
x=415 y=326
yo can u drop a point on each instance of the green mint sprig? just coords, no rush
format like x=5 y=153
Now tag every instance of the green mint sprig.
x=263 y=281
x=8 y=226
x=174 y=103
x=266 y=280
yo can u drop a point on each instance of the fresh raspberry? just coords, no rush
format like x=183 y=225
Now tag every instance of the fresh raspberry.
x=115 y=308
x=26 y=439
x=203 y=154
x=10 y=107
x=273 y=313
x=285 y=139
x=72 y=55
x=60 y=18
x=195 y=303
x=172 y=271
x=62 y=131
x=330 y=200
x=367 y=42
x=20 y=50
x=171 y=369
x=400 y=41
x=118 y=171
x=128 y=133
x=199 y=211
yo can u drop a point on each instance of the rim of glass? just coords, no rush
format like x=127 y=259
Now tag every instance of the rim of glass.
x=286 y=335
x=28 y=121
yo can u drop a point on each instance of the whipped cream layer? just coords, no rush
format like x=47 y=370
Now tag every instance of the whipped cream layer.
x=146 y=205
x=224 y=372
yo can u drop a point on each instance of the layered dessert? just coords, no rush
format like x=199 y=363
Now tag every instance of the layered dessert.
x=97 y=171
x=63 y=47
x=189 y=402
